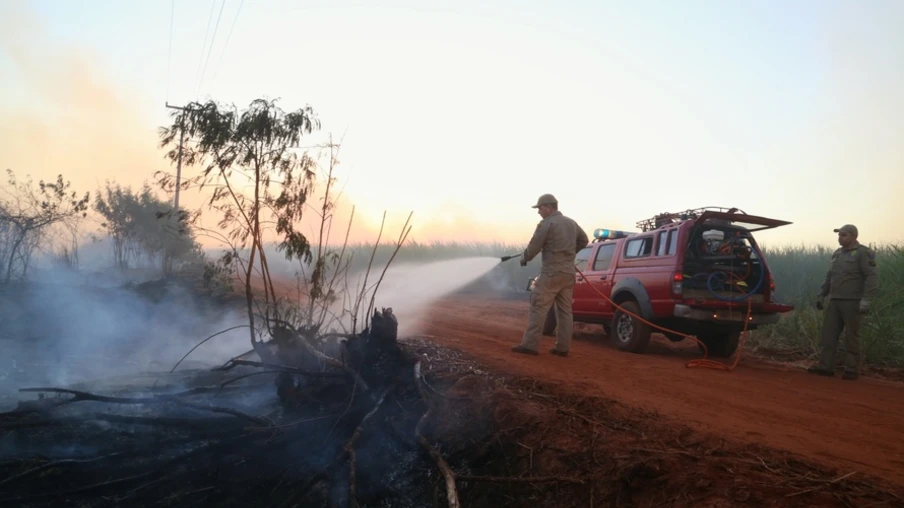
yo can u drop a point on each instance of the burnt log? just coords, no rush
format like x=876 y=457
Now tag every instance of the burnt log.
x=372 y=357
x=375 y=353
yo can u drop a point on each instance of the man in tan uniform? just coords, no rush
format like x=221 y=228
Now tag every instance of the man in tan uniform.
x=559 y=238
x=850 y=284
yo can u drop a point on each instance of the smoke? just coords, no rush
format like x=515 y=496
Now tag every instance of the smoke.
x=59 y=330
x=410 y=289
x=62 y=114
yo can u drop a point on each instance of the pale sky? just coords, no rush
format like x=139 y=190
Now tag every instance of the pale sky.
x=465 y=112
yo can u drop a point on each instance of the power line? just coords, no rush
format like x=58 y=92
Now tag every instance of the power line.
x=213 y=3
x=226 y=44
x=210 y=49
x=169 y=57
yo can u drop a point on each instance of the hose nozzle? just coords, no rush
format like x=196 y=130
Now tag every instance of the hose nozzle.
x=506 y=258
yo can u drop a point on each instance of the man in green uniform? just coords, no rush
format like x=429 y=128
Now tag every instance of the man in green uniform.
x=559 y=238
x=850 y=284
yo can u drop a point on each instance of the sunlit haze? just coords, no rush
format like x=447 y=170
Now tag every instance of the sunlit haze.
x=465 y=112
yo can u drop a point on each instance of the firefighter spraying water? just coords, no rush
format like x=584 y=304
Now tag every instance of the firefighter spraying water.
x=558 y=238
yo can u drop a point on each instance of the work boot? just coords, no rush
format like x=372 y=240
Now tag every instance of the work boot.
x=820 y=370
x=523 y=350
x=556 y=352
x=849 y=375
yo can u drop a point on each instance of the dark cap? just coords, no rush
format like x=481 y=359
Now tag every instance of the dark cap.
x=546 y=199
x=848 y=228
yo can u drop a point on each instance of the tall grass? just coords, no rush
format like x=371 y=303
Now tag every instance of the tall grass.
x=798 y=272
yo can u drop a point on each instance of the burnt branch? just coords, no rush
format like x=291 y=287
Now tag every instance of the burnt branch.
x=157 y=399
x=245 y=376
x=448 y=474
x=284 y=368
x=54 y=464
x=202 y=342
x=349 y=447
x=219 y=409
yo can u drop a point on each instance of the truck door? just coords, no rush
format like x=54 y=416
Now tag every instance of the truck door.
x=599 y=279
x=582 y=291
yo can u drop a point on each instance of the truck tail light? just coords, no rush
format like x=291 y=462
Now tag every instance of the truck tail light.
x=677 y=277
x=771 y=298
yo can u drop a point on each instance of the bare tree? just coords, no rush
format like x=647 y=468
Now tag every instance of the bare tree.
x=28 y=213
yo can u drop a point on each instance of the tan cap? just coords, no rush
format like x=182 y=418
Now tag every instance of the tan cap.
x=546 y=199
x=848 y=228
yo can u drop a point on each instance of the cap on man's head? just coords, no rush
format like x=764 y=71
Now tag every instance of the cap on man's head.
x=849 y=229
x=546 y=199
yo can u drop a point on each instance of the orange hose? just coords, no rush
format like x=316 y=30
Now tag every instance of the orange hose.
x=704 y=362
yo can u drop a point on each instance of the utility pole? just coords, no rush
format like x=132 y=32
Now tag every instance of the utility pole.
x=179 y=159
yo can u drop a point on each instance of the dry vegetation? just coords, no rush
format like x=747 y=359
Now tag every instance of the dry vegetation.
x=435 y=429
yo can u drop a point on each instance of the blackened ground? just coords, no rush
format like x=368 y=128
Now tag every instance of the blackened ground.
x=512 y=442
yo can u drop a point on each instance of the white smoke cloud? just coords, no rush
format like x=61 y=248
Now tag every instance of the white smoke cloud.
x=411 y=289
x=61 y=329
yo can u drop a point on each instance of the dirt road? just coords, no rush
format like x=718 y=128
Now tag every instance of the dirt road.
x=853 y=426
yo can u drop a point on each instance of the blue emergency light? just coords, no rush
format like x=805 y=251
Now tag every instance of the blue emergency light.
x=608 y=234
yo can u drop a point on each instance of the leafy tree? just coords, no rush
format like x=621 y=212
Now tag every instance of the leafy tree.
x=140 y=225
x=28 y=214
x=259 y=180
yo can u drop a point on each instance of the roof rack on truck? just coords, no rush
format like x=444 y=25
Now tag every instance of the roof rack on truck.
x=668 y=218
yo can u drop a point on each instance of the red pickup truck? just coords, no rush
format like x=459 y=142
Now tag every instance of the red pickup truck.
x=693 y=272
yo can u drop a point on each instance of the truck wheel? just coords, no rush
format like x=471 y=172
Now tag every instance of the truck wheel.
x=720 y=344
x=549 y=326
x=629 y=333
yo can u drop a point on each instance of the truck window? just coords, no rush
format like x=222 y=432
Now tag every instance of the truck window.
x=582 y=257
x=639 y=247
x=667 y=243
x=603 y=257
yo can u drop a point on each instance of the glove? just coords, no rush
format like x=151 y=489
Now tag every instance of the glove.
x=523 y=260
x=864 y=306
x=819 y=302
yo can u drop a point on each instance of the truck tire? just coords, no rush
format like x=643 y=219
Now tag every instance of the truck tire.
x=549 y=326
x=629 y=333
x=720 y=344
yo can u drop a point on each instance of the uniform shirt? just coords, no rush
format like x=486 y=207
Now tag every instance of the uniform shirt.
x=559 y=239
x=852 y=275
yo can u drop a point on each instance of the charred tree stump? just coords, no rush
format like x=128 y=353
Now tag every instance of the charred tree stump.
x=375 y=352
